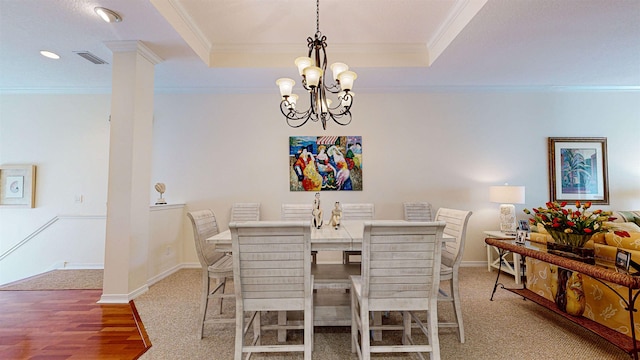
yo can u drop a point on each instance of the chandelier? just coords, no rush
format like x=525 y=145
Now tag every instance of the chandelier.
x=313 y=69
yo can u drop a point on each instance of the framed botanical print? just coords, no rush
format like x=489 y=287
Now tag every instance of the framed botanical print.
x=578 y=169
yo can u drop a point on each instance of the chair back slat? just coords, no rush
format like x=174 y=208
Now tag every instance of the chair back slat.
x=456 y=221
x=296 y=212
x=417 y=211
x=245 y=212
x=364 y=211
x=401 y=262
x=204 y=226
x=272 y=260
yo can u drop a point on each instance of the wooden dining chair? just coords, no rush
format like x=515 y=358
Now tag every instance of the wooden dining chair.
x=299 y=212
x=417 y=211
x=355 y=211
x=400 y=272
x=296 y=212
x=452 y=253
x=272 y=272
x=245 y=212
x=217 y=267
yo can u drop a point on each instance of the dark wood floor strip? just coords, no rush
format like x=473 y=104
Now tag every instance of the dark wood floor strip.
x=68 y=324
x=140 y=325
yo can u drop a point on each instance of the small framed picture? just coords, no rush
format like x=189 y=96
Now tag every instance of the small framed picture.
x=17 y=186
x=524 y=225
x=578 y=169
x=623 y=260
x=521 y=237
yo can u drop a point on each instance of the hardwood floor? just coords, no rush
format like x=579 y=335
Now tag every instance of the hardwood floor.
x=68 y=324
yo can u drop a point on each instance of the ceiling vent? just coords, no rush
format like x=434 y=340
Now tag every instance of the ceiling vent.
x=89 y=56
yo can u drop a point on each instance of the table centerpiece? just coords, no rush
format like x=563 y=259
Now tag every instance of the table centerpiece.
x=571 y=228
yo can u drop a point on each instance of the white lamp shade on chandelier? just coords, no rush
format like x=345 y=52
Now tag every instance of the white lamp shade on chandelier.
x=506 y=196
x=337 y=69
x=312 y=74
x=346 y=79
x=286 y=86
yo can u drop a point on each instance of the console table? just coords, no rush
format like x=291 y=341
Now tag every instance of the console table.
x=511 y=266
x=600 y=272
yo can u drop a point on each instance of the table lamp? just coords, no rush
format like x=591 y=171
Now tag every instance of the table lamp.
x=506 y=196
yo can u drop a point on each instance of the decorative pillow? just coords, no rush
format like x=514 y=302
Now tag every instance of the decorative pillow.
x=605 y=252
x=540 y=238
x=632 y=242
x=598 y=238
x=625 y=216
x=541 y=229
x=636 y=220
x=609 y=253
x=624 y=226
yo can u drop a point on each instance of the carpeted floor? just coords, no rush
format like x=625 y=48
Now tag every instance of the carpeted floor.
x=58 y=280
x=506 y=328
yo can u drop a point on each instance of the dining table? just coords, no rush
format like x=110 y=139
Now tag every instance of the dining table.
x=347 y=236
x=332 y=304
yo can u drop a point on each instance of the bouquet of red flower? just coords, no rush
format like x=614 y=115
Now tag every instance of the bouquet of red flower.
x=558 y=219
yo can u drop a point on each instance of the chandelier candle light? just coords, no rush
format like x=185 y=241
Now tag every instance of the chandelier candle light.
x=313 y=69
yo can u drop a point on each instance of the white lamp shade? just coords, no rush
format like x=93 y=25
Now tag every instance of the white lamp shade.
x=285 y=85
x=302 y=63
x=337 y=68
x=346 y=79
x=312 y=74
x=506 y=194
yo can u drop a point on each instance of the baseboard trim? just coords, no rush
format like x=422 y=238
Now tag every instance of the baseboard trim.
x=114 y=299
x=64 y=265
x=170 y=271
x=473 y=263
x=123 y=298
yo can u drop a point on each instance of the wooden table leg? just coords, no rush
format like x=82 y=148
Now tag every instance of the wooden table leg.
x=282 y=320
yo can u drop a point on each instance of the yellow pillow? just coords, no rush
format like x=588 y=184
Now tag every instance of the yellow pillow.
x=540 y=238
x=632 y=242
x=622 y=226
x=541 y=229
x=598 y=238
x=605 y=251
x=609 y=253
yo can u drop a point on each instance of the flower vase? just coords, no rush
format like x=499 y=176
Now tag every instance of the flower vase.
x=571 y=246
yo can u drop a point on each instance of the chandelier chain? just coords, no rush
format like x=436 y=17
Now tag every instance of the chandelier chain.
x=317 y=16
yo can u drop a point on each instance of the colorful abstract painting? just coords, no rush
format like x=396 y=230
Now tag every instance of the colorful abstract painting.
x=325 y=163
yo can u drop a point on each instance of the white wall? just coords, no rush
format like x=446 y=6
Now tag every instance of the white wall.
x=213 y=150
x=67 y=138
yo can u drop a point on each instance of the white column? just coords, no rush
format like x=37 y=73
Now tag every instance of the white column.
x=128 y=198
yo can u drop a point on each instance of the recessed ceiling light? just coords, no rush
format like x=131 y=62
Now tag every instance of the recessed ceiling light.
x=108 y=15
x=49 y=54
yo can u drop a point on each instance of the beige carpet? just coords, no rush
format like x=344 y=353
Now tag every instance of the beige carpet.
x=58 y=280
x=506 y=328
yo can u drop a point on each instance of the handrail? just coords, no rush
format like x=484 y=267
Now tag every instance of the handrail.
x=42 y=228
